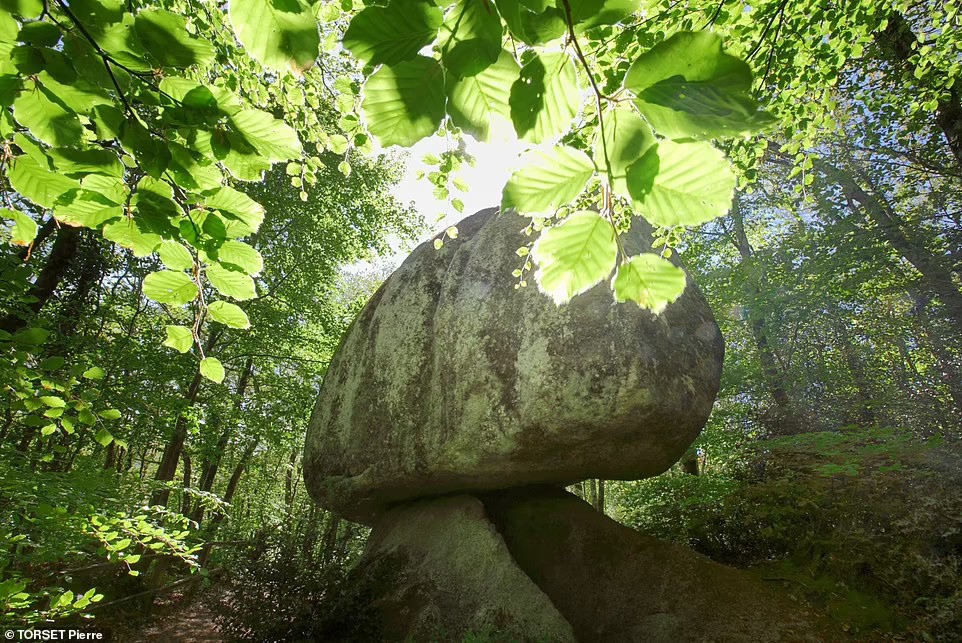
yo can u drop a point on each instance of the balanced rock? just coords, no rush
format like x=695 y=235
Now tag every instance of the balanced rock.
x=452 y=380
x=437 y=570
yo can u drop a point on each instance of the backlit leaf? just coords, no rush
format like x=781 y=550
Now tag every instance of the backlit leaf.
x=681 y=184
x=180 y=338
x=212 y=369
x=404 y=103
x=547 y=180
x=476 y=102
x=392 y=34
x=574 y=255
x=24 y=229
x=545 y=97
x=170 y=287
x=281 y=34
x=228 y=314
x=649 y=281
x=230 y=283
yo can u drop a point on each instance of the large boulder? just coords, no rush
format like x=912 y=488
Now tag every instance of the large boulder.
x=437 y=570
x=453 y=380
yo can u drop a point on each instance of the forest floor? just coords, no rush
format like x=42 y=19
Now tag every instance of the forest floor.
x=181 y=617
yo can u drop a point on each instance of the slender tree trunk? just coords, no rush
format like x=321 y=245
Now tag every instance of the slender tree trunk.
x=755 y=286
x=863 y=394
x=600 y=496
x=947 y=369
x=172 y=451
x=212 y=464
x=53 y=271
x=936 y=277
x=168 y=462
x=185 y=503
x=898 y=44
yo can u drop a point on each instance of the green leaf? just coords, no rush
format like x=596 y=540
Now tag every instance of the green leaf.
x=234 y=204
x=46 y=116
x=79 y=96
x=94 y=373
x=175 y=256
x=574 y=255
x=475 y=103
x=53 y=363
x=110 y=414
x=170 y=287
x=545 y=97
x=392 y=34
x=627 y=138
x=53 y=401
x=212 y=369
x=28 y=9
x=228 y=314
x=41 y=34
x=87 y=209
x=230 y=283
x=534 y=23
x=103 y=437
x=133 y=235
x=73 y=161
x=31 y=336
x=24 y=229
x=547 y=180
x=649 y=281
x=404 y=103
x=240 y=255
x=193 y=173
x=180 y=338
x=37 y=183
x=48 y=429
x=681 y=184
x=271 y=137
x=688 y=88
x=280 y=34
x=164 y=35
x=588 y=14
x=470 y=38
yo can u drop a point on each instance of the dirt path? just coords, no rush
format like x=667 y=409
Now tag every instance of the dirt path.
x=179 y=619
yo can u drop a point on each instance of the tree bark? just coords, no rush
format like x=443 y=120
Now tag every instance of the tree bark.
x=185 y=502
x=863 y=394
x=212 y=464
x=773 y=376
x=897 y=43
x=53 y=271
x=936 y=277
x=168 y=462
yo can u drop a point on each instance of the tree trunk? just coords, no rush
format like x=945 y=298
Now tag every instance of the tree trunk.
x=600 y=496
x=863 y=394
x=689 y=463
x=212 y=464
x=185 y=502
x=755 y=286
x=64 y=249
x=897 y=43
x=168 y=462
x=936 y=277
x=174 y=447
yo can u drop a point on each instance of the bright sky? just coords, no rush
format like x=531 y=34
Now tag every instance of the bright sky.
x=494 y=162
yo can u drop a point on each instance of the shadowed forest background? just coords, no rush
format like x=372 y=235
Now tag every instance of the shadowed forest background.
x=831 y=464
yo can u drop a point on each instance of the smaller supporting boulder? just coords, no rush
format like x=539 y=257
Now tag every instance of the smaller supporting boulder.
x=437 y=570
x=613 y=583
